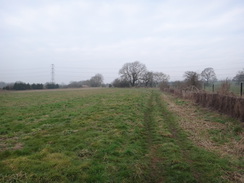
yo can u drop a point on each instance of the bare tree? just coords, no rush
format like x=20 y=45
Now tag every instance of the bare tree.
x=192 y=79
x=160 y=78
x=133 y=72
x=148 y=79
x=208 y=75
x=239 y=77
x=75 y=84
x=120 y=83
x=154 y=79
x=96 y=80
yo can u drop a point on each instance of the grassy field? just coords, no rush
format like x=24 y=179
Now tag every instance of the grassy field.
x=110 y=135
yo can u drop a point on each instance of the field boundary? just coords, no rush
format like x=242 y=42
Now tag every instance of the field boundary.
x=230 y=105
x=200 y=128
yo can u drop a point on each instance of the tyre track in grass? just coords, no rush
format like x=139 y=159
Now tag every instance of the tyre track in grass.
x=160 y=162
x=189 y=148
x=154 y=172
x=171 y=156
x=179 y=140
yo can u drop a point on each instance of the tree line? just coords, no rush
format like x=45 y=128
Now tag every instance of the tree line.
x=94 y=81
x=206 y=78
x=26 y=86
x=135 y=74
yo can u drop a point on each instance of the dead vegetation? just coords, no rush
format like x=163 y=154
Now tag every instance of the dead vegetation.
x=224 y=88
x=199 y=131
x=223 y=101
x=198 y=128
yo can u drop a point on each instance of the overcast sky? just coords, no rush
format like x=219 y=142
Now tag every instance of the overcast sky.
x=82 y=38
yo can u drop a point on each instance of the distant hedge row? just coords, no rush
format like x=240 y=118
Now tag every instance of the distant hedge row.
x=27 y=86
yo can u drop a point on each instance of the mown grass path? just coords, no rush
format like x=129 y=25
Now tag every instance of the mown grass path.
x=102 y=135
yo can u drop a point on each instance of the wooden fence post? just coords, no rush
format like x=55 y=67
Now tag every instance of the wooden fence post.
x=213 y=88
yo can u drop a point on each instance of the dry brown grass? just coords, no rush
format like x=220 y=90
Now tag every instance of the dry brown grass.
x=198 y=129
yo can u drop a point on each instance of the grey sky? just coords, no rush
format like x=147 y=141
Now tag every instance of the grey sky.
x=82 y=38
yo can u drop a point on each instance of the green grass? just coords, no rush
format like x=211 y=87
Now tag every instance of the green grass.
x=179 y=159
x=93 y=136
x=100 y=135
